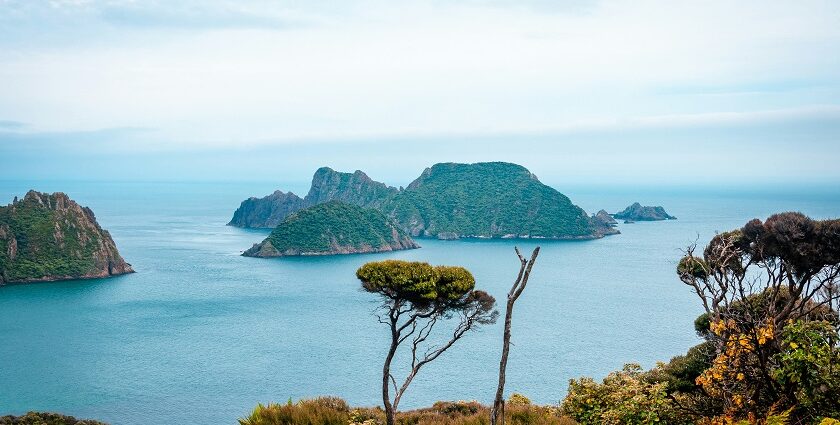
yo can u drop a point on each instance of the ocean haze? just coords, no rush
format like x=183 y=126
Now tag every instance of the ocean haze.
x=578 y=91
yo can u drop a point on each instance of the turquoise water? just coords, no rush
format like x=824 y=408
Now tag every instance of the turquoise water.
x=200 y=334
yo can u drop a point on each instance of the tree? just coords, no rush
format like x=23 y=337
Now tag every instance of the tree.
x=525 y=266
x=753 y=283
x=415 y=297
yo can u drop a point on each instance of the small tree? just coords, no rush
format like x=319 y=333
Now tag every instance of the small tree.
x=753 y=283
x=415 y=297
x=498 y=410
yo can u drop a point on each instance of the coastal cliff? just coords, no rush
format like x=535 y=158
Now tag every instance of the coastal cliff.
x=48 y=237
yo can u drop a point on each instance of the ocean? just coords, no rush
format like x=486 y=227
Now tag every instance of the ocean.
x=201 y=334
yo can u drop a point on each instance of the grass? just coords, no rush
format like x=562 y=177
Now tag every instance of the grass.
x=335 y=411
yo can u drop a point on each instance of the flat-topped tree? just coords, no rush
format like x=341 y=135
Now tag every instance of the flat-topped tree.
x=415 y=297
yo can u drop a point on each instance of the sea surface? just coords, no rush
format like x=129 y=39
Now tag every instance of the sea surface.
x=200 y=334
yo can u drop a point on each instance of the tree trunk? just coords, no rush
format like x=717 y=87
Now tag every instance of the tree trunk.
x=390 y=411
x=497 y=413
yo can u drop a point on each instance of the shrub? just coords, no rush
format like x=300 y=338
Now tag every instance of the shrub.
x=624 y=397
x=331 y=410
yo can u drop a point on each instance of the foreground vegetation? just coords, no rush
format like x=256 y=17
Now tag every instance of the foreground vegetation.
x=36 y=418
x=335 y=411
x=770 y=354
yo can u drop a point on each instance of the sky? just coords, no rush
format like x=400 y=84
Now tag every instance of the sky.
x=578 y=91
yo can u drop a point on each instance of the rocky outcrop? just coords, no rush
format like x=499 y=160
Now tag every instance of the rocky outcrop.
x=47 y=237
x=333 y=228
x=268 y=211
x=604 y=218
x=327 y=185
x=637 y=212
x=352 y=188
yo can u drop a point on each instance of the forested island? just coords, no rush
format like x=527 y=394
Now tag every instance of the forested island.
x=447 y=201
x=332 y=228
x=637 y=212
x=48 y=237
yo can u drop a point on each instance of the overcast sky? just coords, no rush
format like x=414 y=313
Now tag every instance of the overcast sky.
x=578 y=91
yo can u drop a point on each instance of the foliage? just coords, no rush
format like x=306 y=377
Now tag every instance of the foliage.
x=319 y=411
x=416 y=282
x=809 y=363
x=49 y=241
x=624 y=397
x=415 y=298
x=43 y=418
x=754 y=283
x=490 y=199
x=518 y=399
x=325 y=227
x=316 y=412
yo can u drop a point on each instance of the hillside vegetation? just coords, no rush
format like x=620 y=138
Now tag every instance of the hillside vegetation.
x=51 y=237
x=332 y=228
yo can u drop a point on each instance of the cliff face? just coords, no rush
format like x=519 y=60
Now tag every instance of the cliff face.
x=332 y=228
x=327 y=185
x=266 y=212
x=50 y=237
x=447 y=201
x=356 y=189
x=604 y=218
x=637 y=212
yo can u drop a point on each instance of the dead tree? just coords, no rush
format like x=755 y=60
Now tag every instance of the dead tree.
x=497 y=413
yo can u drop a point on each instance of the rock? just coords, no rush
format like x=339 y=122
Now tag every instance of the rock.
x=604 y=218
x=637 y=212
x=266 y=212
x=47 y=237
x=327 y=185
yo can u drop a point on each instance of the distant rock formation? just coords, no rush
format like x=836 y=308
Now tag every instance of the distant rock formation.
x=268 y=211
x=327 y=185
x=604 y=218
x=50 y=237
x=448 y=201
x=637 y=212
x=333 y=228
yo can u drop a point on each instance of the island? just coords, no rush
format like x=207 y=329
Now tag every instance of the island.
x=447 y=201
x=49 y=237
x=333 y=228
x=604 y=218
x=637 y=212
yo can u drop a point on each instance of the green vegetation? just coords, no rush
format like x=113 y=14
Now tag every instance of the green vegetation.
x=39 y=418
x=415 y=297
x=493 y=199
x=335 y=411
x=624 y=397
x=333 y=228
x=45 y=237
x=771 y=356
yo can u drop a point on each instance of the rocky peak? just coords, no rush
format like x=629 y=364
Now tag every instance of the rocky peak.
x=59 y=236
